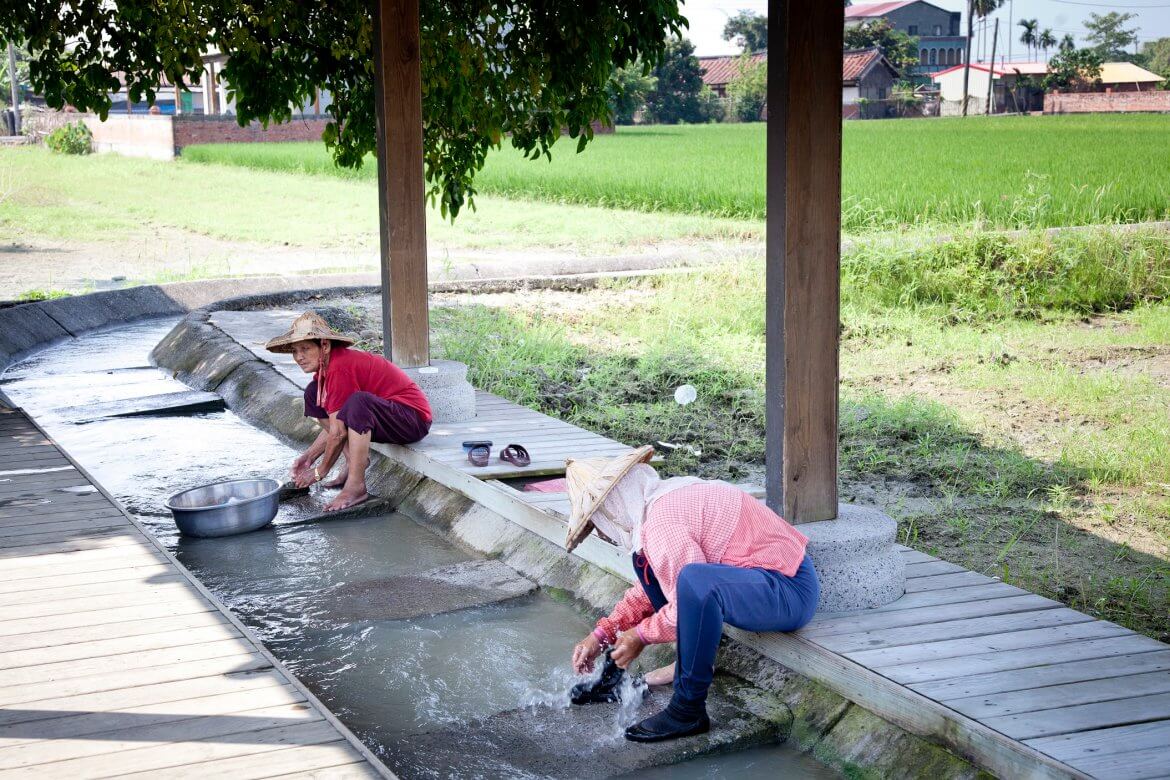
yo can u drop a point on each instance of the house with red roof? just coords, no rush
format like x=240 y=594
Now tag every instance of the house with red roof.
x=867 y=78
x=941 y=41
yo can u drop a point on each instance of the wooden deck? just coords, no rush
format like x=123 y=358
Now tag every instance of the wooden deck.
x=1027 y=685
x=114 y=661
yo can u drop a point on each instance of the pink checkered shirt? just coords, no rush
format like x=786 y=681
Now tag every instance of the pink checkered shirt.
x=710 y=522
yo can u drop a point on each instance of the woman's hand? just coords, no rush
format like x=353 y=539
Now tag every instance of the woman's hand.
x=585 y=653
x=300 y=464
x=304 y=478
x=628 y=647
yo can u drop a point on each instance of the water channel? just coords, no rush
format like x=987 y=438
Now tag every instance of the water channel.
x=389 y=678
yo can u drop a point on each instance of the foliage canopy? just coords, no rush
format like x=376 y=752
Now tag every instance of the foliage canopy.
x=899 y=48
x=526 y=69
x=748 y=30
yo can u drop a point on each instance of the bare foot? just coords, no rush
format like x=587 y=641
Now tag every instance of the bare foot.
x=663 y=676
x=347 y=498
x=333 y=484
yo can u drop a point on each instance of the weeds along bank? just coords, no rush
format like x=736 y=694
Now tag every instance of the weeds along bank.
x=1004 y=399
x=1008 y=172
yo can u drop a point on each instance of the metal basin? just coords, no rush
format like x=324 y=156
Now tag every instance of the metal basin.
x=225 y=508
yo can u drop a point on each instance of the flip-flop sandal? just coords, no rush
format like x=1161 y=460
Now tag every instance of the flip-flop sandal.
x=516 y=455
x=479 y=454
x=467 y=445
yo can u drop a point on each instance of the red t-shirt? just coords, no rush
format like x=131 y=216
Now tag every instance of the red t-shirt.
x=351 y=370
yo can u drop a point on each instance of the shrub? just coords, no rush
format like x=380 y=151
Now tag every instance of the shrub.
x=73 y=138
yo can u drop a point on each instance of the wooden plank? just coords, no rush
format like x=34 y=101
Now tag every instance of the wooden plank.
x=931 y=568
x=1104 y=742
x=62 y=527
x=1091 y=665
x=256 y=763
x=25 y=627
x=177 y=591
x=177 y=732
x=86 y=589
x=220 y=694
x=90 y=539
x=1137 y=765
x=79 y=560
x=215 y=666
x=1083 y=717
x=82 y=652
x=944 y=581
x=951 y=630
x=1066 y=695
x=931 y=598
x=883 y=658
x=193 y=760
x=926 y=615
x=355 y=771
x=90 y=633
x=117 y=574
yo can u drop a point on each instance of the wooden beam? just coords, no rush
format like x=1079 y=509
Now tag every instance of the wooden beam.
x=401 y=189
x=803 y=256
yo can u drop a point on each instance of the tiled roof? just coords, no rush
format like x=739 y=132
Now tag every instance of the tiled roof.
x=872 y=10
x=854 y=64
x=1111 y=72
x=718 y=71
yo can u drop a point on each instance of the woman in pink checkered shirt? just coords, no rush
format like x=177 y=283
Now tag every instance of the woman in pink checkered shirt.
x=705 y=553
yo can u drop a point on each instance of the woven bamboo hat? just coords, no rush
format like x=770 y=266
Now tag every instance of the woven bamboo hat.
x=590 y=481
x=307 y=327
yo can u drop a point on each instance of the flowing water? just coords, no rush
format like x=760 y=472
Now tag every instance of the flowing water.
x=387 y=679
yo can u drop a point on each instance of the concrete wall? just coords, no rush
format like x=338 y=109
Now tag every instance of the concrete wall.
x=145 y=135
x=1106 y=102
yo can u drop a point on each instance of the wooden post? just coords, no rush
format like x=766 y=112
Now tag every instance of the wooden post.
x=14 y=87
x=991 y=71
x=401 y=189
x=803 y=256
x=210 y=94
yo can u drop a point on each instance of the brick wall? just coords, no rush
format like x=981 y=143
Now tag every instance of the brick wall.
x=195 y=129
x=1119 y=102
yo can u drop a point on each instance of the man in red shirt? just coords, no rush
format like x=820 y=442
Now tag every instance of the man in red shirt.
x=356 y=398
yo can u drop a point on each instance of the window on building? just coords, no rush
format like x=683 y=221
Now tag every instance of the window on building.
x=913 y=30
x=950 y=56
x=938 y=29
x=958 y=56
x=922 y=57
x=881 y=93
x=934 y=56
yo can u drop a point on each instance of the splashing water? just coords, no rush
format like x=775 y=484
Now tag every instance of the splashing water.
x=633 y=692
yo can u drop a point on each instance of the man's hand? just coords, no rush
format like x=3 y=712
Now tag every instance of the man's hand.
x=585 y=653
x=628 y=647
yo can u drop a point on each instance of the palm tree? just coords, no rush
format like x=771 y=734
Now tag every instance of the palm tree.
x=1028 y=37
x=1067 y=43
x=1046 y=41
x=982 y=9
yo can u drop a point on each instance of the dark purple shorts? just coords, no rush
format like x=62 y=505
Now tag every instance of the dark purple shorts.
x=389 y=421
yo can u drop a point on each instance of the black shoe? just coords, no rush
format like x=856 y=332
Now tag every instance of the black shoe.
x=664 y=726
x=606 y=689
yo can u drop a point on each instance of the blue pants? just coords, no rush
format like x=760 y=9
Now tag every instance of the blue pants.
x=710 y=595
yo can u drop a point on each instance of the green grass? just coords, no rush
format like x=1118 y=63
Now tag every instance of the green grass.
x=107 y=197
x=1005 y=172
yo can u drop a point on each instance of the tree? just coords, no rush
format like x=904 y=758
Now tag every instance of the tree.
x=982 y=9
x=1028 y=36
x=1067 y=43
x=896 y=46
x=6 y=77
x=1157 y=56
x=491 y=69
x=748 y=30
x=1046 y=40
x=677 y=93
x=749 y=89
x=1109 y=37
x=1078 y=69
x=628 y=88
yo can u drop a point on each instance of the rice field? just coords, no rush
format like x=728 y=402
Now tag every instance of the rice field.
x=1008 y=172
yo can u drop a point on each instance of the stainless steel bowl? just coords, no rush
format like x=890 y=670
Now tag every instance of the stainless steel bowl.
x=225 y=508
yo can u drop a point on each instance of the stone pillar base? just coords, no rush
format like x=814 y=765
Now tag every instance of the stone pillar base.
x=444 y=382
x=855 y=556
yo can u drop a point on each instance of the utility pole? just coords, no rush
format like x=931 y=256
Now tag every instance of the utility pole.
x=991 y=69
x=15 y=88
x=967 y=55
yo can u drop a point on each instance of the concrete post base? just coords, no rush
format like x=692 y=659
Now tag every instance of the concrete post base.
x=445 y=384
x=855 y=556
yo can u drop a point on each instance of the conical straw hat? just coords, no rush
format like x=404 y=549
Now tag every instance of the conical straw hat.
x=307 y=327
x=590 y=481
